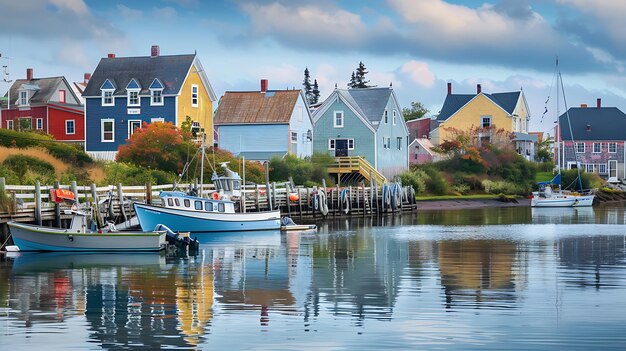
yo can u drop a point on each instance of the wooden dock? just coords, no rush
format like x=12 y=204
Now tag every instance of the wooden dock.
x=32 y=203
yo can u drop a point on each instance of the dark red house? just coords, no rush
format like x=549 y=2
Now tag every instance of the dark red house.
x=44 y=104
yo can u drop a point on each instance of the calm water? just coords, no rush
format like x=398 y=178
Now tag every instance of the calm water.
x=473 y=279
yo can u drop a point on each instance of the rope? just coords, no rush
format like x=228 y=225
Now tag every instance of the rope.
x=5 y=242
x=323 y=204
x=345 y=201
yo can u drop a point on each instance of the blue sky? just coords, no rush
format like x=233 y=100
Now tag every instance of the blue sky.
x=418 y=45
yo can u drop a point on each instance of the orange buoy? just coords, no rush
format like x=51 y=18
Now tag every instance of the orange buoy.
x=294 y=197
x=216 y=196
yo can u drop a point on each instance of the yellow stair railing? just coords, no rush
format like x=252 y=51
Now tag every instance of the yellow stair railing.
x=356 y=164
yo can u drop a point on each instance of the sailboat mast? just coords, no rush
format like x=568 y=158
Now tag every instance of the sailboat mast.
x=571 y=133
x=202 y=165
x=558 y=122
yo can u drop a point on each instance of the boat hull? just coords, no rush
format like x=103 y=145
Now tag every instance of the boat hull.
x=563 y=201
x=201 y=222
x=35 y=238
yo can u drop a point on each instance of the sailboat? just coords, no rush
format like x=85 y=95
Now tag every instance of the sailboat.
x=183 y=212
x=546 y=196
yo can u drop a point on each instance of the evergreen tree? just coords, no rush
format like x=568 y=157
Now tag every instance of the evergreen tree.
x=360 y=81
x=316 y=92
x=307 y=86
x=352 y=84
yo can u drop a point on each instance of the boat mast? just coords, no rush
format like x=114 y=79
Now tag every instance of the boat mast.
x=558 y=122
x=569 y=124
x=202 y=165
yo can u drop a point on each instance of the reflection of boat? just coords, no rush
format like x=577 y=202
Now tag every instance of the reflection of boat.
x=51 y=261
x=79 y=237
x=258 y=238
x=572 y=215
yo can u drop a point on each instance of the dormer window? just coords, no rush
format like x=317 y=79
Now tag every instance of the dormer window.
x=156 y=93
x=132 y=90
x=23 y=100
x=107 y=90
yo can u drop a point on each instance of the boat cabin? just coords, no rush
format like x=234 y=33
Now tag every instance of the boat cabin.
x=181 y=201
x=229 y=185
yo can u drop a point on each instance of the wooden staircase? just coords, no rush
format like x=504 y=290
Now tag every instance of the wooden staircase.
x=356 y=165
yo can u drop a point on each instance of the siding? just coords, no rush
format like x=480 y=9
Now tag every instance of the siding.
x=300 y=123
x=392 y=161
x=94 y=112
x=57 y=120
x=589 y=157
x=257 y=137
x=203 y=113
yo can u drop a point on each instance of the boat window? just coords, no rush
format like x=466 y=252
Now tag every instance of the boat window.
x=170 y=202
x=187 y=202
x=208 y=206
x=220 y=207
x=177 y=202
x=236 y=185
x=198 y=205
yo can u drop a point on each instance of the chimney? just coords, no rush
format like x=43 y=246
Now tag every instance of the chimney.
x=478 y=89
x=111 y=55
x=86 y=78
x=583 y=105
x=263 y=85
x=155 y=51
x=599 y=103
x=449 y=88
x=29 y=74
x=588 y=127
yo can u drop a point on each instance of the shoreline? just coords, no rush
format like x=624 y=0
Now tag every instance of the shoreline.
x=461 y=204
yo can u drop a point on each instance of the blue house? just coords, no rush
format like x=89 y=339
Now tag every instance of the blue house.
x=125 y=92
x=364 y=122
x=259 y=125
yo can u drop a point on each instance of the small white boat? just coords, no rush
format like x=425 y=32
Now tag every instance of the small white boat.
x=546 y=197
x=81 y=237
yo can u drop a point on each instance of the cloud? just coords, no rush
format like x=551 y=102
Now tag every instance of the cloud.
x=76 y=6
x=164 y=12
x=419 y=73
x=128 y=13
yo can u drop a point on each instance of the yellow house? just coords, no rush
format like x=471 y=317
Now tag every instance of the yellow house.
x=507 y=111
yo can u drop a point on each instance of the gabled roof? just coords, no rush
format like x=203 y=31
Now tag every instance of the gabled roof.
x=454 y=102
x=255 y=107
x=171 y=70
x=43 y=89
x=592 y=123
x=372 y=101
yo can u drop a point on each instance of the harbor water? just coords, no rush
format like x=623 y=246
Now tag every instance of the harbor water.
x=485 y=279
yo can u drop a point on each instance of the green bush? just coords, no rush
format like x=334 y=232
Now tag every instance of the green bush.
x=70 y=153
x=312 y=169
x=504 y=187
x=436 y=183
x=129 y=174
x=462 y=189
x=569 y=180
x=416 y=179
x=30 y=169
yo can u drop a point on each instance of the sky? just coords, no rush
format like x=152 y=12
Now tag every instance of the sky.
x=416 y=45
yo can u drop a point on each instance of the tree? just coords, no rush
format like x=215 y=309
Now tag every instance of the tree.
x=544 y=150
x=352 y=84
x=360 y=81
x=316 y=92
x=416 y=111
x=306 y=83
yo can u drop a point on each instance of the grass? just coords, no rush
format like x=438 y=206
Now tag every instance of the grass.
x=543 y=176
x=458 y=197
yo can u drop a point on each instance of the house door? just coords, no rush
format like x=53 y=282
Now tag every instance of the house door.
x=612 y=171
x=341 y=147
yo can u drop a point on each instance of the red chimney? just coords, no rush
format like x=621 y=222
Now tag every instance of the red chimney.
x=583 y=105
x=263 y=85
x=478 y=89
x=111 y=55
x=86 y=78
x=29 y=74
x=155 y=51
x=449 y=88
x=599 y=103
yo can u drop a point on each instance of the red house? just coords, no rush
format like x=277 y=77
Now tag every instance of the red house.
x=44 y=104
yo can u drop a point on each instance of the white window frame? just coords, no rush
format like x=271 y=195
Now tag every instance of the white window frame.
x=62 y=96
x=482 y=121
x=394 y=118
x=386 y=117
x=331 y=144
x=335 y=113
x=599 y=148
x=399 y=143
x=131 y=130
x=294 y=134
x=128 y=97
x=104 y=97
x=10 y=124
x=577 y=149
x=603 y=168
x=23 y=98
x=39 y=123
x=614 y=144
x=67 y=124
x=350 y=144
x=157 y=119
x=102 y=122
x=194 y=95
x=152 y=96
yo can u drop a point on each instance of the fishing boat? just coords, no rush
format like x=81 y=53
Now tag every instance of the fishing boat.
x=82 y=236
x=546 y=196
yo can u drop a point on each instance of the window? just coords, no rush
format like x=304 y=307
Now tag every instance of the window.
x=133 y=98
x=133 y=125
x=350 y=144
x=156 y=97
x=107 y=128
x=62 y=96
x=197 y=205
x=597 y=148
x=23 y=98
x=170 y=202
x=331 y=144
x=338 y=120
x=294 y=137
x=580 y=148
x=187 y=203
x=220 y=206
x=39 y=123
x=589 y=167
x=208 y=206
x=10 y=124
x=485 y=122
x=386 y=142
x=399 y=142
x=415 y=155
x=70 y=127
x=194 y=95
x=177 y=202
x=107 y=98
x=386 y=117
x=395 y=117
x=602 y=168
x=612 y=148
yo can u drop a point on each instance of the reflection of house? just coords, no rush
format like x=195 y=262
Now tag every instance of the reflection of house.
x=259 y=125
x=420 y=152
x=44 y=104
x=598 y=140
x=125 y=92
x=487 y=112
